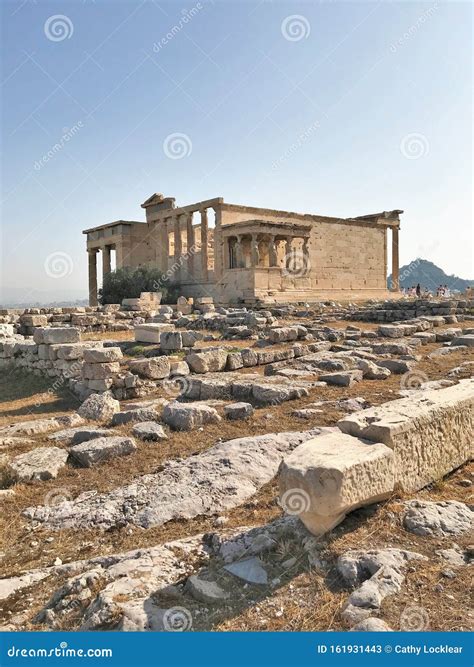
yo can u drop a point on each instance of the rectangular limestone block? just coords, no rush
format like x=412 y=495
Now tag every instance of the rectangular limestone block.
x=150 y=333
x=431 y=432
x=332 y=474
x=100 y=371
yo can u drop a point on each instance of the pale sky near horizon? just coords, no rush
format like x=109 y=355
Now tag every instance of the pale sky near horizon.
x=337 y=108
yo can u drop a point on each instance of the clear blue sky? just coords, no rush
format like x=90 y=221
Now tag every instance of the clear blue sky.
x=310 y=114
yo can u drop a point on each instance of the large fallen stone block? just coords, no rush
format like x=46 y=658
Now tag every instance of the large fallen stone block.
x=326 y=477
x=342 y=379
x=61 y=335
x=40 y=464
x=222 y=477
x=467 y=340
x=430 y=432
x=99 y=407
x=155 y=368
x=207 y=361
x=102 y=355
x=98 y=450
x=189 y=416
x=150 y=333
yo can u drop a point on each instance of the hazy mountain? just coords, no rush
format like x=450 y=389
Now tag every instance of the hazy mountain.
x=430 y=276
x=22 y=297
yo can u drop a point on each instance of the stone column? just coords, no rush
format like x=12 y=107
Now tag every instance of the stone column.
x=255 y=255
x=272 y=252
x=204 y=254
x=190 y=245
x=164 y=246
x=106 y=263
x=92 y=252
x=238 y=252
x=177 y=250
x=395 y=261
x=218 y=245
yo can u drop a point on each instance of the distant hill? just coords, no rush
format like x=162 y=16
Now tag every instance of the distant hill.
x=430 y=276
x=18 y=297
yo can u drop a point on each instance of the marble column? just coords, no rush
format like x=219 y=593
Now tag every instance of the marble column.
x=164 y=246
x=92 y=252
x=204 y=242
x=190 y=249
x=106 y=261
x=395 y=261
x=178 y=249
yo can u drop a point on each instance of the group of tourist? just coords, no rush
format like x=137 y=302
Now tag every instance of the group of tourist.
x=417 y=291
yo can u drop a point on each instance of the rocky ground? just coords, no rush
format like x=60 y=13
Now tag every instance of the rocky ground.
x=163 y=514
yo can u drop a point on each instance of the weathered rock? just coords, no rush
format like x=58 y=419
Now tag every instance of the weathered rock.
x=342 y=379
x=41 y=463
x=207 y=361
x=95 y=451
x=250 y=570
x=100 y=371
x=99 y=407
x=208 y=592
x=467 y=339
x=102 y=355
x=137 y=415
x=398 y=366
x=326 y=477
x=371 y=371
x=211 y=482
x=171 y=340
x=189 y=416
x=74 y=436
x=443 y=518
x=149 y=431
x=155 y=368
x=430 y=432
x=238 y=410
x=53 y=335
x=376 y=574
x=38 y=426
x=372 y=624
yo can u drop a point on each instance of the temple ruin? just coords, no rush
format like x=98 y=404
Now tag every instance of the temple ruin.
x=244 y=254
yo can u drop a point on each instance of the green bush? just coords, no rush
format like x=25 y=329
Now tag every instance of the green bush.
x=128 y=283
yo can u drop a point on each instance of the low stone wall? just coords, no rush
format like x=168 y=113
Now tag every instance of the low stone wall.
x=453 y=310
x=401 y=445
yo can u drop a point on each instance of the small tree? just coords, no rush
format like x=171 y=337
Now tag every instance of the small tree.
x=129 y=283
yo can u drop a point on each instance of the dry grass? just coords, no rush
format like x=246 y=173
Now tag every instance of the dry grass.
x=309 y=599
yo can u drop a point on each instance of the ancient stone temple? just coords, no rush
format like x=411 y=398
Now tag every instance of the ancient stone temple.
x=243 y=254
